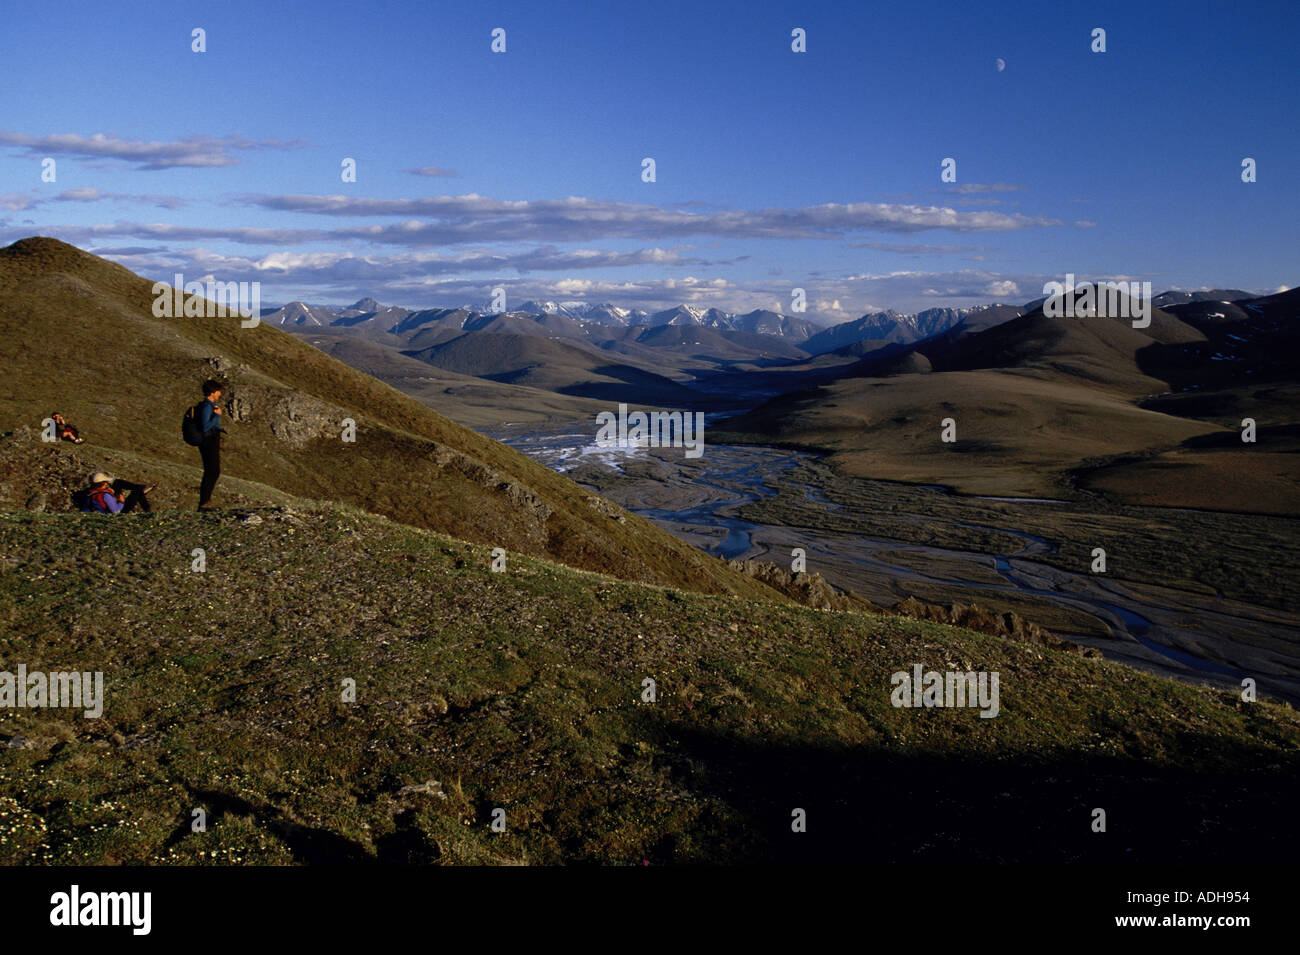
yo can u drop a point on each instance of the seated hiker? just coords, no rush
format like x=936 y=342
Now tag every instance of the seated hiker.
x=108 y=496
x=64 y=431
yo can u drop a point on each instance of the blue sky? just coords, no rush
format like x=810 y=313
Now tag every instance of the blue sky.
x=775 y=169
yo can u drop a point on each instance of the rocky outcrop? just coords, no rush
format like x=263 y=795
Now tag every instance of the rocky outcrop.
x=291 y=416
x=607 y=509
x=1009 y=624
x=297 y=418
x=36 y=476
x=519 y=495
x=811 y=590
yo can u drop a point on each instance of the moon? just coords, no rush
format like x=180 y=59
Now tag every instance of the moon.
x=1002 y=64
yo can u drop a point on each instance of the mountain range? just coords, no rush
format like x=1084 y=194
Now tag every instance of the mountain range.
x=1092 y=392
x=368 y=312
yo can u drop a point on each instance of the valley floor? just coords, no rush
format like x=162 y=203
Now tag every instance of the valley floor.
x=1217 y=612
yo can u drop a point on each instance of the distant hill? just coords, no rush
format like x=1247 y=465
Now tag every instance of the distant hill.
x=706 y=343
x=1243 y=367
x=1166 y=299
x=369 y=314
x=1041 y=403
x=736 y=360
x=1100 y=348
x=467 y=400
x=645 y=354
x=553 y=365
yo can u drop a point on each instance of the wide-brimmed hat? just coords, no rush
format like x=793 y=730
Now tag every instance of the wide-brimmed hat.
x=99 y=477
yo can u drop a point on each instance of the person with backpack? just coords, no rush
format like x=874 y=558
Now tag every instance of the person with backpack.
x=201 y=427
x=107 y=496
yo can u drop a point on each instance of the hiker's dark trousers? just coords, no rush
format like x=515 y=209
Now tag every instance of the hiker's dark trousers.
x=210 y=450
x=134 y=496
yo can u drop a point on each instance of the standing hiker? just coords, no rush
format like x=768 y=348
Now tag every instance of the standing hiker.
x=208 y=419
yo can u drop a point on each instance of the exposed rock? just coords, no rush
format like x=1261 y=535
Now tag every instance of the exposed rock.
x=298 y=418
x=524 y=497
x=222 y=368
x=519 y=495
x=812 y=590
x=607 y=508
x=428 y=788
x=238 y=407
x=1008 y=624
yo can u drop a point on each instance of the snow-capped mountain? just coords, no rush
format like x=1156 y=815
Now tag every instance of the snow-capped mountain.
x=888 y=326
x=363 y=312
x=763 y=321
x=367 y=313
x=301 y=314
x=604 y=313
x=686 y=315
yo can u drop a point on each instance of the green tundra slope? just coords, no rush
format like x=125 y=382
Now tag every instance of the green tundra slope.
x=523 y=691
x=78 y=335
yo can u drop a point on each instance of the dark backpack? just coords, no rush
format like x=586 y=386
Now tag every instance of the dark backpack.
x=190 y=427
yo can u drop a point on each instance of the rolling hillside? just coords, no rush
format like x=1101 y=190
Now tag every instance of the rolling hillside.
x=552 y=365
x=473 y=402
x=1242 y=368
x=79 y=336
x=520 y=692
x=1034 y=399
x=523 y=693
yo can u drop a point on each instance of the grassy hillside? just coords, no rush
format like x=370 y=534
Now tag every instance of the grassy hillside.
x=77 y=335
x=1018 y=432
x=1244 y=367
x=522 y=691
x=1041 y=405
x=473 y=402
x=563 y=367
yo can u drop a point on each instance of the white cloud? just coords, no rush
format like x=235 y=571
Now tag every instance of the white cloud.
x=192 y=151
